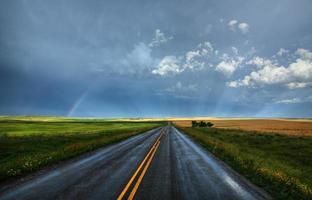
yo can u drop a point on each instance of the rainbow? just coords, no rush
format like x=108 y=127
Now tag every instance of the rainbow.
x=76 y=104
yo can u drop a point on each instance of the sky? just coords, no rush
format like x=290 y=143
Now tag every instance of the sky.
x=177 y=58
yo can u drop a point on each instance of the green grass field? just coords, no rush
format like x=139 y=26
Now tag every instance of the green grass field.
x=30 y=143
x=280 y=164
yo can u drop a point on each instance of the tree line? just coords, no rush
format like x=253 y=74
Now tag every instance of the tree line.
x=201 y=124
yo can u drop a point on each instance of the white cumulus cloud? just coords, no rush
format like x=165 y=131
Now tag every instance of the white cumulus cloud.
x=159 y=38
x=282 y=51
x=295 y=85
x=234 y=25
x=259 y=62
x=243 y=27
x=168 y=65
x=193 y=60
x=298 y=74
x=228 y=65
x=196 y=59
x=304 y=54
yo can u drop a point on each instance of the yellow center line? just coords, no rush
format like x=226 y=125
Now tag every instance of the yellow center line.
x=134 y=190
x=139 y=168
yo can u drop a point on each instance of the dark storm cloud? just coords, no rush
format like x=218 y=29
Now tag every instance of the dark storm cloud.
x=154 y=58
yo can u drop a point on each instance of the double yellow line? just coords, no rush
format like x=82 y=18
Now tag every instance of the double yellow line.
x=148 y=159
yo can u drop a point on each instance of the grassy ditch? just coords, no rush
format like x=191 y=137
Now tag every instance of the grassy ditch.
x=280 y=164
x=26 y=146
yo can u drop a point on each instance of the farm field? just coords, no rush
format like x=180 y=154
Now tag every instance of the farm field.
x=30 y=143
x=279 y=163
x=294 y=127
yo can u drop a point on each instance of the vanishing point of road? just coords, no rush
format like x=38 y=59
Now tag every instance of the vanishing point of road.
x=160 y=164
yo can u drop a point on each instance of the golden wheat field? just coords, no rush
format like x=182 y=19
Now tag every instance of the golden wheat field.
x=284 y=126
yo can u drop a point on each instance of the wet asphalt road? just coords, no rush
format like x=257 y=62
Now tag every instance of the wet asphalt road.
x=162 y=163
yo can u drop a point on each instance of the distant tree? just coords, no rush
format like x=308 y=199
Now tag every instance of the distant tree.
x=201 y=124
x=209 y=124
x=194 y=124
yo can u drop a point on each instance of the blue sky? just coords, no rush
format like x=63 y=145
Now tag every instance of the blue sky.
x=156 y=58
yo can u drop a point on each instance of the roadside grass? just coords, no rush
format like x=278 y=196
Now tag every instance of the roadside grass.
x=28 y=145
x=280 y=164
